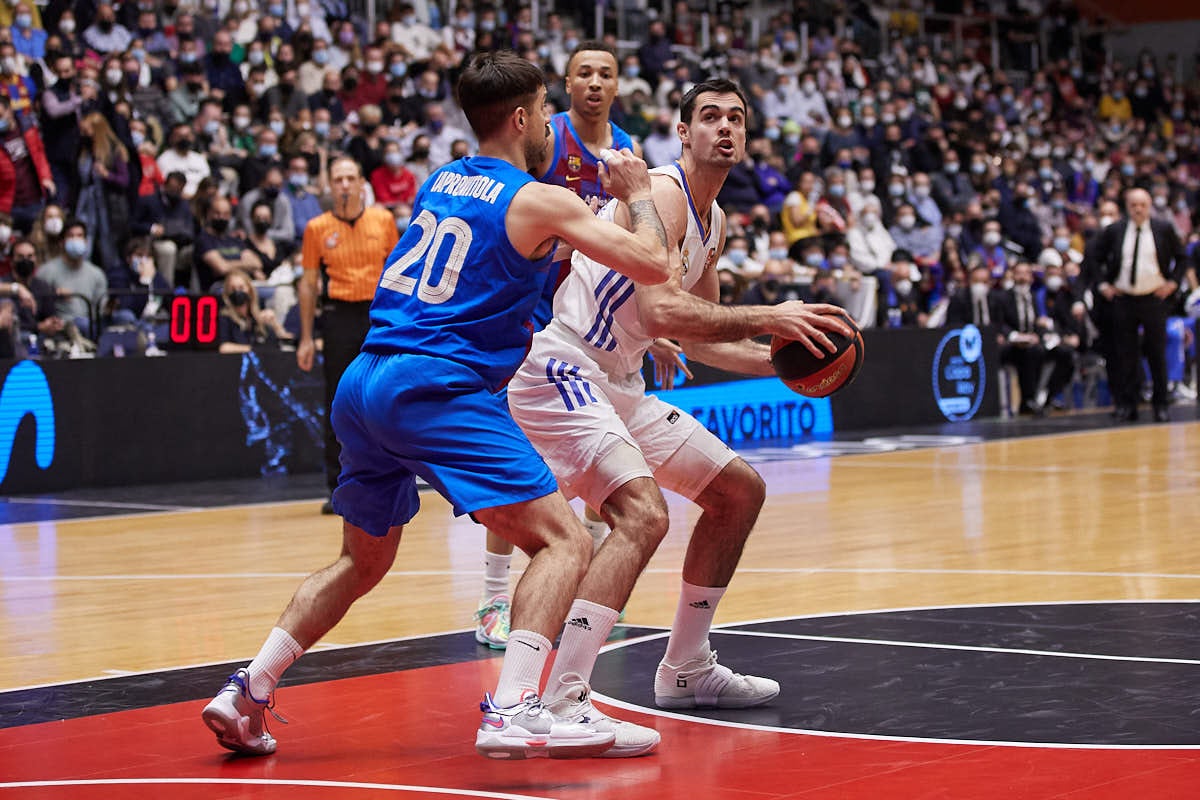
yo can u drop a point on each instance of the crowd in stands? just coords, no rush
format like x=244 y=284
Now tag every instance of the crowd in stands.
x=171 y=145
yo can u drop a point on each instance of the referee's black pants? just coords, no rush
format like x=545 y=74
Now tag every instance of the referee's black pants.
x=1149 y=313
x=344 y=325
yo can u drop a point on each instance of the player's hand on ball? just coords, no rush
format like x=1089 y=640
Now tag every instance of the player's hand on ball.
x=622 y=174
x=806 y=323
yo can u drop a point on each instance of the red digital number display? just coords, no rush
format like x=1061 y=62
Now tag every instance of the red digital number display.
x=194 y=321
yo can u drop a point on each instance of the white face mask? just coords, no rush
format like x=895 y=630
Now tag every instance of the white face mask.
x=903 y=286
x=991 y=238
x=907 y=221
x=1054 y=283
x=979 y=290
x=870 y=220
x=54 y=226
x=1106 y=221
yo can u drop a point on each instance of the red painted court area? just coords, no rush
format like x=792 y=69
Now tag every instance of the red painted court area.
x=410 y=734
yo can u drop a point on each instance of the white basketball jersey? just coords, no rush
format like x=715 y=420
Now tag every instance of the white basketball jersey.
x=596 y=303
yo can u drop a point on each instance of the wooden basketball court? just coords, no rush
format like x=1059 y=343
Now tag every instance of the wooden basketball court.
x=949 y=616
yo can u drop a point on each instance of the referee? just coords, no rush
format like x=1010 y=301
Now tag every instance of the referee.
x=347 y=246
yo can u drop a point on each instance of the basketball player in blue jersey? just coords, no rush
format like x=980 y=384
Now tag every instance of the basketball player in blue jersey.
x=581 y=399
x=450 y=323
x=578 y=135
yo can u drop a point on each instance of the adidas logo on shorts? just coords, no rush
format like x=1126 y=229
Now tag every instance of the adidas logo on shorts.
x=700 y=604
x=580 y=622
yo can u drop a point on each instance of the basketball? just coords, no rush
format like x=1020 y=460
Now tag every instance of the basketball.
x=805 y=374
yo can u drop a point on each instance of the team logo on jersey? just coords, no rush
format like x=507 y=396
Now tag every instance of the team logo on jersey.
x=686 y=258
x=710 y=258
x=574 y=163
x=331 y=241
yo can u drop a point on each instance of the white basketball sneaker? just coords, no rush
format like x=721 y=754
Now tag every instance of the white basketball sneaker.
x=703 y=683
x=530 y=730
x=576 y=705
x=236 y=717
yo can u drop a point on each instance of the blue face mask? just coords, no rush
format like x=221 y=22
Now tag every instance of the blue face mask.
x=321 y=128
x=268 y=150
x=1061 y=243
x=4 y=125
x=320 y=57
x=737 y=257
x=837 y=190
x=399 y=69
x=76 y=248
x=814 y=260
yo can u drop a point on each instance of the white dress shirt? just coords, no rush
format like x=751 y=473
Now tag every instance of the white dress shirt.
x=1149 y=276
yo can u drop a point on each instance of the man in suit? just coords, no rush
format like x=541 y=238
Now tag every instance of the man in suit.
x=974 y=304
x=1140 y=264
x=1023 y=345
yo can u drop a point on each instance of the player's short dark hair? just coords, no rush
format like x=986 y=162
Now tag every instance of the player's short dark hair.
x=717 y=85
x=493 y=86
x=589 y=45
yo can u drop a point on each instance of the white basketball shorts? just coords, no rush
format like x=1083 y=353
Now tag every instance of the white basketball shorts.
x=578 y=417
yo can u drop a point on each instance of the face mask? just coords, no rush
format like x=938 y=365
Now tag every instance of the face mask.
x=632 y=71
x=888 y=119
x=399 y=69
x=238 y=297
x=1061 y=243
x=24 y=268
x=921 y=191
x=1106 y=221
x=1128 y=170
x=1006 y=284
x=978 y=168
x=737 y=257
x=188 y=57
x=4 y=125
x=814 y=260
x=771 y=133
x=321 y=128
x=867 y=186
x=903 y=286
x=261 y=226
x=67 y=26
x=570 y=44
x=896 y=189
x=374 y=67
x=420 y=153
x=393 y=159
x=5 y=233
x=320 y=57
x=870 y=220
x=275 y=9
x=869 y=122
x=979 y=290
x=808 y=87
x=951 y=167
x=837 y=190
x=777 y=253
x=76 y=248
x=490 y=25
x=276 y=125
x=991 y=238
x=845 y=121
x=138 y=138
x=24 y=21
x=1160 y=201
x=298 y=179
x=54 y=226
x=837 y=261
x=907 y=222
x=1054 y=283
x=402 y=223
x=219 y=225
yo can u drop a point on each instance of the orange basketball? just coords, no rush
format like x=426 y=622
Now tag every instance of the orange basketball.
x=805 y=374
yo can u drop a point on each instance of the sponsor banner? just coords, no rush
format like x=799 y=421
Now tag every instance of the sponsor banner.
x=752 y=410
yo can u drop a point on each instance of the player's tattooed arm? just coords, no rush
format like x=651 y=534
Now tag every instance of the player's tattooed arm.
x=645 y=215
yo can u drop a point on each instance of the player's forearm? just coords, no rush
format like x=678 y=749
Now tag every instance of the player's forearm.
x=307 y=297
x=680 y=315
x=647 y=262
x=746 y=357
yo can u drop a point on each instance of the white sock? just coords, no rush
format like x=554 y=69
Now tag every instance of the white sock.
x=277 y=654
x=599 y=530
x=693 y=619
x=587 y=629
x=524 y=659
x=495 y=573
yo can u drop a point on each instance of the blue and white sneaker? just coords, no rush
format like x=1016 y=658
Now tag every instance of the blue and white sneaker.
x=530 y=730
x=629 y=740
x=236 y=717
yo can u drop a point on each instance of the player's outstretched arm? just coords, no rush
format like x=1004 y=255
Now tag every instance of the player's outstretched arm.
x=667 y=310
x=541 y=212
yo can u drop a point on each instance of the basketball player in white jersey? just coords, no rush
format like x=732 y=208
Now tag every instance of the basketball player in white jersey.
x=580 y=398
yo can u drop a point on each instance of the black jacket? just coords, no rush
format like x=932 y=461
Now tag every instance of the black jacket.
x=1105 y=252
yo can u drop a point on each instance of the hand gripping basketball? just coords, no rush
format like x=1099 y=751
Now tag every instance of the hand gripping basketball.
x=813 y=376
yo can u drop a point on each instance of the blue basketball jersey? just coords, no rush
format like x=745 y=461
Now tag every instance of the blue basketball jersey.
x=454 y=287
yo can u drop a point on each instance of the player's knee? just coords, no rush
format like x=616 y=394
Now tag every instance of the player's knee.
x=639 y=513
x=738 y=488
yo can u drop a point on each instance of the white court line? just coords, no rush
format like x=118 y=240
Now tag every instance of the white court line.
x=378 y=787
x=52 y=501
x=967 y=648
x=1033 y=573
x=1071 y=469
x=657 y=712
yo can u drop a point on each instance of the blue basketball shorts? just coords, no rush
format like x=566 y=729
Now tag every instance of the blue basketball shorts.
x=403 y=415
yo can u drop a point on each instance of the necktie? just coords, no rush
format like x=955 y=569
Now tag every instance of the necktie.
x=1133 y=265
x=980 y=319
